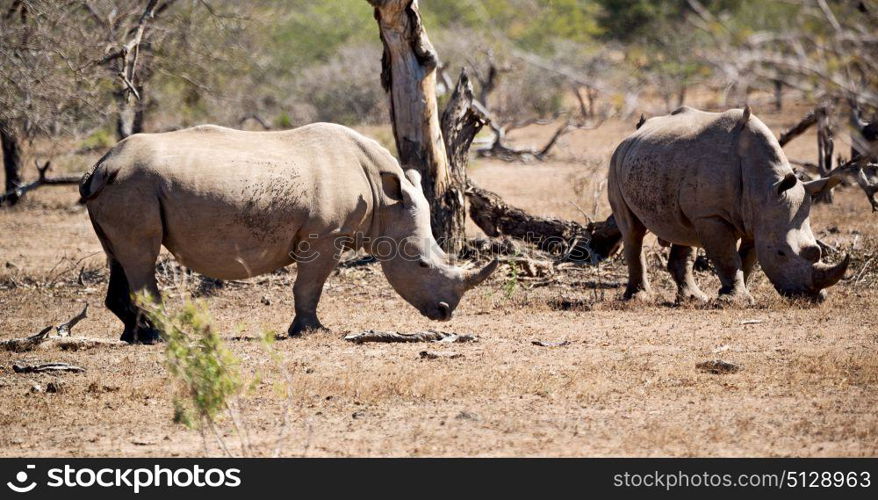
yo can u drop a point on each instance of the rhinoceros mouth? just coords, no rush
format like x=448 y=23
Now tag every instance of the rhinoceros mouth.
x=442 y=312
x=816 y=296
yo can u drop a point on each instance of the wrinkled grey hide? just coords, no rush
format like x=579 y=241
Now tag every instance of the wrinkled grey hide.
x=711 y=180
x=232 y=204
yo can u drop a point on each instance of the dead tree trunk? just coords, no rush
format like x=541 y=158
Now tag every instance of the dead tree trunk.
x=129 y=120
x=462 y=120
x=587 y=103
x=864 y=153
x=864 y=143
x=132 y=73
x=409 y=74
x=825 y=149
x=440 y=151
x=778 y=95
x=11 y=160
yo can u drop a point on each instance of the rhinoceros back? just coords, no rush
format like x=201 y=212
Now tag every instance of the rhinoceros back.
x=234 y=204
x=675 y=167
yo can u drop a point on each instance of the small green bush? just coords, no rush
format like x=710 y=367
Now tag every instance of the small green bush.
x=101 y=138
x=207 y=373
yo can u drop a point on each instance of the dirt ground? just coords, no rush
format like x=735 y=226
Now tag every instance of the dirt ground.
x=626 y=384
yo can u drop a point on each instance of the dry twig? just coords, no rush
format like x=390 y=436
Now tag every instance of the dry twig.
x=47 y=367
x=426 y=336
x=61 y=340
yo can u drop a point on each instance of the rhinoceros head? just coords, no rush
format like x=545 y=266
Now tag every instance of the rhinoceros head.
x=781 y=205
x=412 y=260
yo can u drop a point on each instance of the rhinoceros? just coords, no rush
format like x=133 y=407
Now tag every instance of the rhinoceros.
x=710 y=180
x=232 y=204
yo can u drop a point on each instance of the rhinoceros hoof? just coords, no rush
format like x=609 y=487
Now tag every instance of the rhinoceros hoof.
x=735 y=299
x=691 y=296
x=299 y=328
x=147 y=336
x=638 y=296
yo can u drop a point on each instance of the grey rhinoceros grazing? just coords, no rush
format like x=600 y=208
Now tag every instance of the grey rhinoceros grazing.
x=699 y=179
x=232 y=204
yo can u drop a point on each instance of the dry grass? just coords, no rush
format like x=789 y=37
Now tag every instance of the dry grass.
x=625 y=385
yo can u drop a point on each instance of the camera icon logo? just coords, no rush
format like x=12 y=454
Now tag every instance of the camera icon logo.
x=19 y=485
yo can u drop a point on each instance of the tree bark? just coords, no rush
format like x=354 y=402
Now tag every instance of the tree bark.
x=825 y=149
x=129 y=120
x=18 y=192
x=778 y=95
x=462 y=120
x=408 y=73
x=131 y=96
x=11 y=146
x=563 y=238
x=440 y=151
x=799 y=128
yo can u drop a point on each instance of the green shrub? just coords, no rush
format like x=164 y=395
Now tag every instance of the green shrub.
x=206 y=372
x=101 y=138
x=283 y=121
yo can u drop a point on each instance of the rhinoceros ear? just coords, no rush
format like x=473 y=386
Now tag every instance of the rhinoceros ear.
x=745 y=117
x=788 y=182
x=390 y=184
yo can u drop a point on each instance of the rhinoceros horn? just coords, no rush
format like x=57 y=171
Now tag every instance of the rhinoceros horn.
x=474 y=278
x=826 y=275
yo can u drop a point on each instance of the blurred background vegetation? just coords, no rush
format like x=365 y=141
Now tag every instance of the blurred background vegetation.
x=263 y=63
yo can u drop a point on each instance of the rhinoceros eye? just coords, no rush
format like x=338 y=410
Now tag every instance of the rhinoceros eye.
x=781 y=253
x=424 y=264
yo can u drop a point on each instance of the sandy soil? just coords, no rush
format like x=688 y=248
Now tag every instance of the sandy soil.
x=625 y=385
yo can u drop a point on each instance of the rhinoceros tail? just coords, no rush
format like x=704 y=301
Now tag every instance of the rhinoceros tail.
x=94 y=181
x=745 y=117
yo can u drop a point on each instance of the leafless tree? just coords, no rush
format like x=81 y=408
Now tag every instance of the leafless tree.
x=439 y=149
x=47 y=85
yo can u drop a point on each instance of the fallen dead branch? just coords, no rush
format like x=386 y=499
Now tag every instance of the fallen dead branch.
x=426 y=336
x=550 y=344
x=568 y=240
x=498 y=148
x=440 y=355
x=47 y=367
x=798 y=129
x=867 y=178
x=61 y=339
x=63 y=329
x=27 y=343
x=717 y=367
x=42 y=180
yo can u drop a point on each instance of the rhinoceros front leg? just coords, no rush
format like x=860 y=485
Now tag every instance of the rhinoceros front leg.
x=680 y=264
x=747 y=252
x=310 y=278
x=721 y=245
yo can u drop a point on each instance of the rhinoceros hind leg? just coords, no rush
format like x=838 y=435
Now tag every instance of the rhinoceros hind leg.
x=721 y=246
x=680 y=264
x=302 y=325
x=118 y=299
x=633 y=232
x=310 y=277
x=134 y=274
